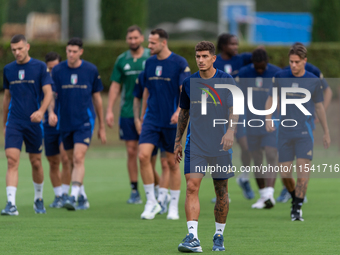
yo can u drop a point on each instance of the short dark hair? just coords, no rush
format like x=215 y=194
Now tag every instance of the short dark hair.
x=134 y=28
x=259 y=55
x=298 y=49
x=18 y=38
x=205 y=45
x=76 y=41
x=161 y=32
x=224 y=39
x=51 y=56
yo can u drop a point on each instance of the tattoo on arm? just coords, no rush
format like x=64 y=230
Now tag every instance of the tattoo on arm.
x=183 y=118
x=232 y=118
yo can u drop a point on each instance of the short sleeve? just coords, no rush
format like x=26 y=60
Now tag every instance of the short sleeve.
x=45 y=76
x=97 y=83
x=5 y=81
x=139 y=86
x=184 y=71
x=116 y=73
x=184 y=102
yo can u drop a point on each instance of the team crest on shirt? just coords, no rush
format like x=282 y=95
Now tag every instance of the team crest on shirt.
x=127 y=67
x=228 y=69
x=21 y=74
x=295 y=85
x=74 y=79
x=159 y=70
x=259 y=82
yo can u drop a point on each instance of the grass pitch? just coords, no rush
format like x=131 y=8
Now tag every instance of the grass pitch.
x=111 y=226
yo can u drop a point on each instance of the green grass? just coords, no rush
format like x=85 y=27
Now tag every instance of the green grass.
x=111 y=226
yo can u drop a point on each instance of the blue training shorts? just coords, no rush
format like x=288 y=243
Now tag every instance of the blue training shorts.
x=31 y=134
x=162 y=137
x=127 y=129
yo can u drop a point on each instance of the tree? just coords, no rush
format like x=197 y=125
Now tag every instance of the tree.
x=326 y=26
x=118 y=15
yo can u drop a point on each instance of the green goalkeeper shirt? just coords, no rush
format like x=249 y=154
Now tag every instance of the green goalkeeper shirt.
x=125 y=72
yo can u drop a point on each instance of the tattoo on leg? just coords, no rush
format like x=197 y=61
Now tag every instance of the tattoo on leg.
x=76 y=184
x=301 y=187
x=222 y=202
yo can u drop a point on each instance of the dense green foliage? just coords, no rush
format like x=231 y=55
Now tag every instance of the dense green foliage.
x=16 y=11
x=324 y=56
x=118 y=15
x=326 y=26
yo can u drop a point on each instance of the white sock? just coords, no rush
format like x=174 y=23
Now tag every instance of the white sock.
x=65 y=188
x=244 y=176
x=192 y=227
x=263 y=192
x=270 y=191
x=150 y=193
x=162 y=193
x=11 y=191
x=219 y=228
x=174 y=200
x=82 y=191
x=58 y=191
x=156 y=191
x=38 y=190
x=75 y=191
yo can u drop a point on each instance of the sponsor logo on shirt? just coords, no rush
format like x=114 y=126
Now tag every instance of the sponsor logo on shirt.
x=259 y=82
x=21 y=74
x=159 y=70
x=127 y=67
x=187 y=69
x=74 y=79
x=228 y=69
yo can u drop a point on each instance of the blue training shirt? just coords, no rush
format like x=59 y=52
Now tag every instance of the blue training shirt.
x=285 y=79
x=163 y=79
x=233 y=65
x=74 y=87
x=202 y=138
x=25 y=82
x=261 y=84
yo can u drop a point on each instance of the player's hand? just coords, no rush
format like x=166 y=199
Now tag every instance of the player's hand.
x=37 y=116
x=178 y=151
x=174 y=118
x=110 y=119
x=138 y=125
x=228 y=140
x=326 y=140
x=52 y=119
x=102 y=134
x=269 y=126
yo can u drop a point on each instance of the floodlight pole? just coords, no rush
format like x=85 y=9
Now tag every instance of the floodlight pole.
x=64 y=19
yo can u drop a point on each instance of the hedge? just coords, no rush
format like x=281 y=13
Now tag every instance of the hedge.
x=324 y=56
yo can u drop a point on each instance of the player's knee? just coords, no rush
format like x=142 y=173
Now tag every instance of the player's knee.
x=64 y=160
x=165 y=165
x=132 y=151
x=192 y=187
x=36 y=163
x=12 y=162
x=78 y=159
x=54 y=163
x=271 y=156
x=144 y=158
